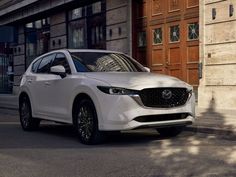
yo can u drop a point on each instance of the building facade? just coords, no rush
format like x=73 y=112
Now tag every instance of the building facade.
x=217 y=90
x=189 y=39
x=45 y=25
x=166 y=37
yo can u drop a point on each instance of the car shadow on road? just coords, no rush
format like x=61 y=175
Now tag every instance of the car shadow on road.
x=56 y=136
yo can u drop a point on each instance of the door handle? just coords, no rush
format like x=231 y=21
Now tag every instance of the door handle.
x=47 y=83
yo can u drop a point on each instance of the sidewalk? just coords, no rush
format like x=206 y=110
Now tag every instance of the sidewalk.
x=207 y=121
x=213 y=122
x=8 y=101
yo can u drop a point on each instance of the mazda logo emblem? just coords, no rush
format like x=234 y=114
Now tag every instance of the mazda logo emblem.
x=166 y=94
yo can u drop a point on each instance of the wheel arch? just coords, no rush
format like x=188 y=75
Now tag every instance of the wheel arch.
x=21 y=96
x=77 y=100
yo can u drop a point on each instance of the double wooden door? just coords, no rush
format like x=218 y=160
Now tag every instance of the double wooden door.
x=171 y=31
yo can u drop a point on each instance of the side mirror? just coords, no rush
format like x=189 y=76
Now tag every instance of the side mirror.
x=147 y=69
x=58 y=70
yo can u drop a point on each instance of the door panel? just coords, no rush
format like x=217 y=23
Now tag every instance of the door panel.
x=192 y=50
x=157 y=56
x=172 y=39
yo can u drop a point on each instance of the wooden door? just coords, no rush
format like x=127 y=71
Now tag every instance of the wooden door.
x=172 y=38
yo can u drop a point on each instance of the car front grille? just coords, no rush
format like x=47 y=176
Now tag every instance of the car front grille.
x=164 y=97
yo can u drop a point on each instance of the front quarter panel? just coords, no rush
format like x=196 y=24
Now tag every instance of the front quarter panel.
x=88 y=86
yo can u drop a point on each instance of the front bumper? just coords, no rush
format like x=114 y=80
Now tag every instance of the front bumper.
x=120 y=112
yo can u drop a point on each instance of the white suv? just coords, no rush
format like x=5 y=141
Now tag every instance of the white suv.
x=100 y=91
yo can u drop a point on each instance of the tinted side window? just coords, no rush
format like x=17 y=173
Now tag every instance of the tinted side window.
x=61 y=60
x=78 y=65
x=35 y=65
x=45 y=64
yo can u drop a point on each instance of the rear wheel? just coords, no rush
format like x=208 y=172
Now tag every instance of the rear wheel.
x=170 y=131
x=28 y=123
x=86 y=123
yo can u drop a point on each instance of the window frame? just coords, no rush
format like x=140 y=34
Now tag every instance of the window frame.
x=153 y=36
x=191 y=23
x=70 y=72
x=50 y=63
x=179 y=37
x=40 y=59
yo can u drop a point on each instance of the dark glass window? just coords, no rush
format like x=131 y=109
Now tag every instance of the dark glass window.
x=77 y=13
x=45 y=64
x=193 y=31
x=97 y=7
x=174 y=33
x=77 y=34
x=35 y=65
x=87 y=26
x=106 y=62
x=157 y=36
x=37 y=36
x=142 y=39
x=78 y=65
x=62 y=60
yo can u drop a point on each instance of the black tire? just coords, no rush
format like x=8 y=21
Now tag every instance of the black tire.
x=28 y=123
x=86 y=123
x=170 y=131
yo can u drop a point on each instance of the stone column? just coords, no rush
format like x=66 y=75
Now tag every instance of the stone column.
x=118 y=23
x=58 y=36
x=217 y=91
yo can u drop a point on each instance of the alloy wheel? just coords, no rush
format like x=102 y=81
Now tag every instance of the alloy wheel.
x=25 y=114
x=85 y=122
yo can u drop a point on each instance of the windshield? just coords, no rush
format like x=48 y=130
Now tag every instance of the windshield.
x=105 y=62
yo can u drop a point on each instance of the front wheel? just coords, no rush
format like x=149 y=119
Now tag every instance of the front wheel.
x=86 y=123
x=28 y=123
x=170 y=131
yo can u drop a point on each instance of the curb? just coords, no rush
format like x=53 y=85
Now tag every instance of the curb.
x=9 y=108
x=208 y=130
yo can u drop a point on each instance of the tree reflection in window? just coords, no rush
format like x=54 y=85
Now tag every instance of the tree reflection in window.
x=174 y=33
x=193 y=31
x=157 y=36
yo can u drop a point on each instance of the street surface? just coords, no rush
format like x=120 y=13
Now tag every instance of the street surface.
x=53 y=151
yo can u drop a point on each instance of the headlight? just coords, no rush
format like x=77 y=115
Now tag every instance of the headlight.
x=117 y=90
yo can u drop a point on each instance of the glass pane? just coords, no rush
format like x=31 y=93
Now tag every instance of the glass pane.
x=35 y=65
x=96 y=7
x=174 y=33
x=142 y=41
x=45 y=64
x=193 y=31
x=38 y=24
x=29 y=25
x=106 y=62
x=76 y=13
x=77 y=35
x=157 y=36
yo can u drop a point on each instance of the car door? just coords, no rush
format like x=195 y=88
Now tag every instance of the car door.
x=59 y=91
x=40 y=86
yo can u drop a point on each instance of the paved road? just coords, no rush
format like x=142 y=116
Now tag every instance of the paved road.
x=53 y=151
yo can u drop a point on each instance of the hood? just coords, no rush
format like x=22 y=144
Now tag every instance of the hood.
x=137 y=81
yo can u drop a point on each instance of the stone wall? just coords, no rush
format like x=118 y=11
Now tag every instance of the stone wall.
x=19 y=58
x=118 y=21
x=218 y=55
x=58 y=38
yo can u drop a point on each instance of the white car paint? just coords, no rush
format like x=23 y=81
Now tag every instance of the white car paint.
x=52 y=97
